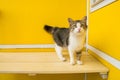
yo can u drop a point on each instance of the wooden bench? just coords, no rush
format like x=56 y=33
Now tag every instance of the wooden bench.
x=47 y=63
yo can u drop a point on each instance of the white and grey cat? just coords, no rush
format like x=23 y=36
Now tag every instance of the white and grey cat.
x=73 y=38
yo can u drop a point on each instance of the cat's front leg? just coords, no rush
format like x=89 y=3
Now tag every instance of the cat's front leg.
x=79 y=54
x=59 y=52
x=71 y=54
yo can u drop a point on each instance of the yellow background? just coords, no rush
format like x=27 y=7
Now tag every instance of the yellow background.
x=22 y=21
x=104 y=30
x=104 y=34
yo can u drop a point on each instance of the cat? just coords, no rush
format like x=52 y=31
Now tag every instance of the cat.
x=73 y=38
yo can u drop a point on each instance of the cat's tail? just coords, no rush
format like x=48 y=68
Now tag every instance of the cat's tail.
x=49 y=29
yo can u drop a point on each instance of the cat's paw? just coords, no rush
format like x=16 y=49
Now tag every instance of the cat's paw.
x=72 y=62
x=63 y=59
x=79 y=62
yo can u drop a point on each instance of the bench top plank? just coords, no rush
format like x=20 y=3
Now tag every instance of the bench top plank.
x=47 y=63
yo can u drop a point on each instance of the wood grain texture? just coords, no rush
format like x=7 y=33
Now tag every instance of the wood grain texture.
x=46 y=63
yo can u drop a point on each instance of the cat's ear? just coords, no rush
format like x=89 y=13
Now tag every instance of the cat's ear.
x=84 y=19
x=70 y=21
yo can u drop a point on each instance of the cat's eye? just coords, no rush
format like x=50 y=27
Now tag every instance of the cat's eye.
x=74 y=25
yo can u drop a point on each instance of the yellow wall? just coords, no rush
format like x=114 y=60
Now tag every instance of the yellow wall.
x=22 y=21
x=104 y=29
x=104 y=32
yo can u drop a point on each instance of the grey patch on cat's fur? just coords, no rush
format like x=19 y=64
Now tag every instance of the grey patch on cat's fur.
x=60 y=35
x=78 y=55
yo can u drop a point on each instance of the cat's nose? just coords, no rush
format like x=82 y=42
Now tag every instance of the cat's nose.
x=79 y=29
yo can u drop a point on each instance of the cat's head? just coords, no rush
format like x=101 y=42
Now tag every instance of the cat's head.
x=78 y=26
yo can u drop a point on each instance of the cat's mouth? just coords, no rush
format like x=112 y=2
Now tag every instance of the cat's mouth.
x=79 y=31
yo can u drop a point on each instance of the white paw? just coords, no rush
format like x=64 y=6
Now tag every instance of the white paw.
x=63 y=59
x=72 y=62
x=79 y=62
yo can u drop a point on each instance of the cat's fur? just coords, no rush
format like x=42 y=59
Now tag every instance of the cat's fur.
x=73 y=38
